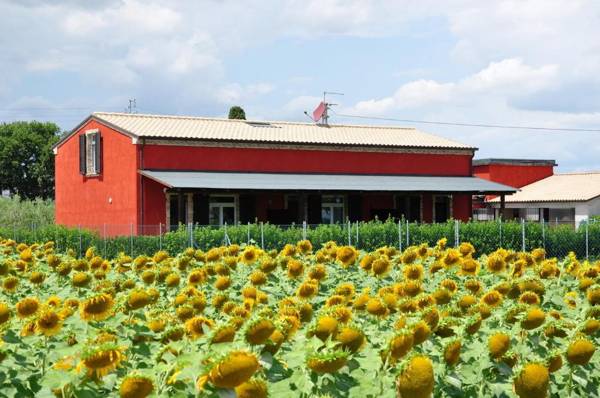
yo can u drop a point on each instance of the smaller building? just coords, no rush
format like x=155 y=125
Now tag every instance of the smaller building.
x=569 y=198
x=516 y=173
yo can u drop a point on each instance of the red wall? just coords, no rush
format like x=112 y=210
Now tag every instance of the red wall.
x=84 y=200
x=165 y=157
x=154 y=204
x=461 y=207
x=512 y=175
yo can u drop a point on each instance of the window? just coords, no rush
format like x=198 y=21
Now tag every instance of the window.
x=222 y=209
x=90 y=153
x=332 y=209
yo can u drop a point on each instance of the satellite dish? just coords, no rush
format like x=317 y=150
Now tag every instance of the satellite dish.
x=319 y=111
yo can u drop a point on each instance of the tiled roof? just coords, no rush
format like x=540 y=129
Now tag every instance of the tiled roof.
x=200 y=128
x=567 y=187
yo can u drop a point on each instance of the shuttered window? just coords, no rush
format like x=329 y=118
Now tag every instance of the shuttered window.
x=90 y=153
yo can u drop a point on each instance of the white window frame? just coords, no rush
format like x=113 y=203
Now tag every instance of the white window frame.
x=221 y=205
x=91 y=167
x=333 y=205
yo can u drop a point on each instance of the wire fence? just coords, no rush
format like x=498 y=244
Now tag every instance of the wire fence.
x=557 y=238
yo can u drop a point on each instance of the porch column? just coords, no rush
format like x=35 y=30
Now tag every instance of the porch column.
x=502 y=205
x=180 y=208
x=302 y=208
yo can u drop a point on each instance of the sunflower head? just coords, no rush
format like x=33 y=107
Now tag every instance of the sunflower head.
x=198 y=326
x=492 y=298
x=253 y=388
x=416 y=379
x=346 y=255
x=101 y=360
x=295 y=268
x=533 y=381
x=409 y=256
x=27 y=307
x=308 y=289
x=381 y=266
x=97 y=308
x=580 y=351
x=304 y=246
x=48 y=323
x=258 y=278
x=350 y=338
x=325 y=327
x=413 y=272
x=498 y=344
x=259 y=331
x=327 y=362
x=224 y=334
x=366 y=262
x=138 y=298
x=376 y=307
x=136 y=386
x=317 y=272
x=233 y=370
x=452 y=352
x=496 y=263
x=554 y=362
x=534 y=318
x=5 y=313
x=400 y=345
x=421 y=332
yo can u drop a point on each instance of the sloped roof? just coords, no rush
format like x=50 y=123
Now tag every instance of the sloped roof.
x=323 y=182
x=567 y=187
x=201 y=128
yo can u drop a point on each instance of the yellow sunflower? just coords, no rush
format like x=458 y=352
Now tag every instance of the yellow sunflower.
x=97 y=308
x=100 y=361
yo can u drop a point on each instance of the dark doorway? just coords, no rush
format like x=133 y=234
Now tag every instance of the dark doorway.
x=177 y=210
x=409 y=207
x=441 y=208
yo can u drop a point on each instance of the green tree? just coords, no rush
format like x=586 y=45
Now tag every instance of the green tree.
x=26 y=158
x=237 y=112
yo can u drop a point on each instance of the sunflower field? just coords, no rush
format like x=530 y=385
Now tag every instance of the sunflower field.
x=332 y=321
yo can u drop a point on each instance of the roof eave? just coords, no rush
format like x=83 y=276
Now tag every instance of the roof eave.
x=87 y=120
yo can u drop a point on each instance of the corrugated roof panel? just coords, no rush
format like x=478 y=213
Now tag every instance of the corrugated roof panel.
x=157 y=126
x=324 y=182
x=568 y=187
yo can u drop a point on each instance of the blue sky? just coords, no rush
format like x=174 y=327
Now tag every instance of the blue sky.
x=518 y=62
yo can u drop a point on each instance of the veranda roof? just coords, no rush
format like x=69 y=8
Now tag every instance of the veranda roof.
x=324 y=182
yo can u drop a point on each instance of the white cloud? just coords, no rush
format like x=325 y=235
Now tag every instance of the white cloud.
x=509 y=61
x=235 y=93
x=507 y=78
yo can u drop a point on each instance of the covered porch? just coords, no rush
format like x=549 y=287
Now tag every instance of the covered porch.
x=216 y=198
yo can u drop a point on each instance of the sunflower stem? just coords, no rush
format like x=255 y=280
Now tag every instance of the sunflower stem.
x=570 y=383
x=46 y=352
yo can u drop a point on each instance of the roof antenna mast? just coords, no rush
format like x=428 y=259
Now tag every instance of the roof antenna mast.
x=321 y=114
x=132 y=107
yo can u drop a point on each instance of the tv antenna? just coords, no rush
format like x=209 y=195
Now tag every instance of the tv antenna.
x=132 y=107
x=320 y=114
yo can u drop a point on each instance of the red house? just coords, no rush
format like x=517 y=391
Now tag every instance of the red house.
x=124 y=172
x=512 y=172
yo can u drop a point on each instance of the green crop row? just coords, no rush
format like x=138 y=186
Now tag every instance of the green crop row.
x=486 y=236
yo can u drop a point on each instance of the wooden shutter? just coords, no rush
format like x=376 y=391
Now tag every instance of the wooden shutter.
x=82 y=158
x=98 y=147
